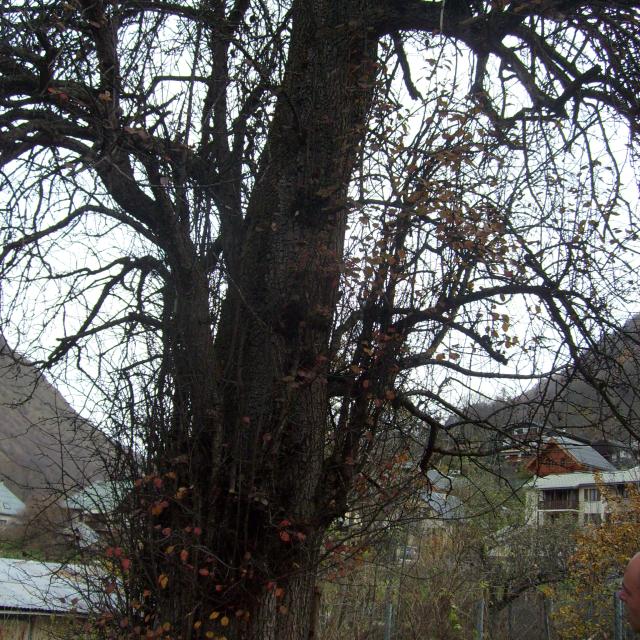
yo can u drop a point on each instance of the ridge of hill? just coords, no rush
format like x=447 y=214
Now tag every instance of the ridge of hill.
x=45 y=445
x=598 y=398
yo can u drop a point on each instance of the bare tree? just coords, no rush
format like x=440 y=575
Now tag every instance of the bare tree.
x=257 y=253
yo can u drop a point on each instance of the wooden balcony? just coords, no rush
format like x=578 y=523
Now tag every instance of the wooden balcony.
x=559 y=504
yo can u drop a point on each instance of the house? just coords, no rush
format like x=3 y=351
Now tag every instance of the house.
x=574 y=496
x=10 y=505
x=433 y=511
x=541 y=452
x=559 y=453
x=518 y=440
x=90 y=509
x=39 y=600
x=439 y=505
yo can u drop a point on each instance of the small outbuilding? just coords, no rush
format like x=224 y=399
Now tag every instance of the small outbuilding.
x=40 y=600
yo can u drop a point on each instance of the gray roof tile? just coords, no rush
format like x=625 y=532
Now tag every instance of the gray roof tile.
x=583 y=453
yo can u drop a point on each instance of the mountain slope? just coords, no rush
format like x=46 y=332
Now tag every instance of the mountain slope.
x=597 y=399
x=44 y=444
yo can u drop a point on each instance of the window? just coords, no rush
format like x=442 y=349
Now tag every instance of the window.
x=592 y=518
x=621 y=490
x=591 y=494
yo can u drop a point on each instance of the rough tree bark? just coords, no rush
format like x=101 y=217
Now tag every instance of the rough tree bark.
x=251 y=411
x=267 y=435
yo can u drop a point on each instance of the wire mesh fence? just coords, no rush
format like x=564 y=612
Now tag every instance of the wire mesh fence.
x=530 y=617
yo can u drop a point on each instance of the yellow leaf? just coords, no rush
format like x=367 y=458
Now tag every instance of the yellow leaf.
x=214 y=615
x=163 y=580
x=224 y=621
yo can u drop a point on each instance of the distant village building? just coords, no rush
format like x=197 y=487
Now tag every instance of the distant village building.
x=560 y=454
x=567 y=473
x=574 y=496
x=439 y=505
x=541 y=452
x=89 y=511
x=10 y=506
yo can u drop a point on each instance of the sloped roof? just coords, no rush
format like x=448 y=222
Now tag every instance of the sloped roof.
x=40 y=587
x=83 y=535
x=444 y=507
x=439 y=481
x=583 y=453
x=582 y=478
x=561 y=481
x=99 y=497
x=10 y=504
x=441 y=504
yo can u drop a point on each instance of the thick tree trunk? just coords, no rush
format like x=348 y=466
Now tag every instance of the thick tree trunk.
x=251 y=411
x=273 y=344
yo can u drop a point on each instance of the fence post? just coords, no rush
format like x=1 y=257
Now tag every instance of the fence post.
x=480 y=620
x=621 y=630
x=545 y=614
x=618 y=624
x=388 y=620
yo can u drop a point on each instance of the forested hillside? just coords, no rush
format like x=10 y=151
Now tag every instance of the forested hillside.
x=597 y=398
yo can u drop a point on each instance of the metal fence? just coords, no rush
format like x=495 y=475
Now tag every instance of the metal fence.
x=621 y=630
x=377 y=615
x=529 y=619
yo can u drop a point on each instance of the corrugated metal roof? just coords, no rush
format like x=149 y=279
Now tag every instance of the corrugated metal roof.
x=583 y=453
x=42 y=587
x=10 y=504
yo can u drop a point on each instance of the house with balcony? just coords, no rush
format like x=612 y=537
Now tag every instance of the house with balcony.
x=575 y=496
x=539 y=451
